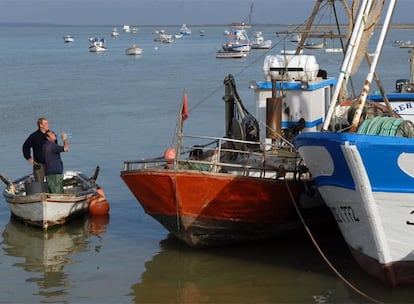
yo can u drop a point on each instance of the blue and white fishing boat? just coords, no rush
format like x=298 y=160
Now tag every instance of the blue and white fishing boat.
x=185 y=30
x=239 y=42
x=97 y=45
x=364 y=170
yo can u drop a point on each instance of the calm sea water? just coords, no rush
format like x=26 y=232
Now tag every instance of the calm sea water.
x=118 y=108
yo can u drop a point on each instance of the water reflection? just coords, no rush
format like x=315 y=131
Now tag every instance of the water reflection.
x=287 y=270
x=259 y=273
x=45 y=253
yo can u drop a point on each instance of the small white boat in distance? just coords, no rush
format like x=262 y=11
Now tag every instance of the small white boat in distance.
x=406 y=44
x=164 y=38
x=314 y=45
x=68 y=39
x=126 y=28
x=133 y=50
x=295 y=37
x=115 y=32
x=185 y=30
x=230 y=54
x=259 y=42
x=333 y=50
x=290 y=52
x=97 y=45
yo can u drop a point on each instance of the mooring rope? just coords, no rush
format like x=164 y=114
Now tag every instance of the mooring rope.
x=322 y=254
x=177 y=202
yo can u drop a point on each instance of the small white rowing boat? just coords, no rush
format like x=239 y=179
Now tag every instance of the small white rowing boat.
x=31 y=202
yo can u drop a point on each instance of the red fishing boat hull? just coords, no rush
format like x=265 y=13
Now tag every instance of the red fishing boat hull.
x=207 y=209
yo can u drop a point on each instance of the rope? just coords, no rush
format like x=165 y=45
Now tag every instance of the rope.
x=387 y=126
x=349 y=284
x=177 y=202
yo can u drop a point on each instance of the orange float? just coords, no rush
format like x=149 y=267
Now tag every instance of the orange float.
x=99 y=205
x=169 y=155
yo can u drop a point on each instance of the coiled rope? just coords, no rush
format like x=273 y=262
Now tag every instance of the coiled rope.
x=387 y=126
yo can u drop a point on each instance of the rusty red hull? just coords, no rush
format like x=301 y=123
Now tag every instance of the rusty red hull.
x=212 y=209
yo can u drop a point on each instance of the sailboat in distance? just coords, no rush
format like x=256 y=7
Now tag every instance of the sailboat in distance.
x=246 y=22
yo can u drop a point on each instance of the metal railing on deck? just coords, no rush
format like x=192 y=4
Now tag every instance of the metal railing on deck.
x=226 y=155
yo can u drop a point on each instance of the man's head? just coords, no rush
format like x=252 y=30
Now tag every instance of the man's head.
x=50 y=136
x=43 y=124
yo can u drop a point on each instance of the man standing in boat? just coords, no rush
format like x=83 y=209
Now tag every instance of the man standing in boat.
x=34 y=143
x=53 y=162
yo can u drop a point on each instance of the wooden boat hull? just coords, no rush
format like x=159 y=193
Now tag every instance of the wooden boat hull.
x=207 y=209
x=46 y=210
x=367 y=181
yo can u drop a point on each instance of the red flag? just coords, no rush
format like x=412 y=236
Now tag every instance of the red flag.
x=184 y=110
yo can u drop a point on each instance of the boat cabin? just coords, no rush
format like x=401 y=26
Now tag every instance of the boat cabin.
x=304 y=88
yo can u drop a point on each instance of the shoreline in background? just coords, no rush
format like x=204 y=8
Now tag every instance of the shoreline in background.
x=392 y=26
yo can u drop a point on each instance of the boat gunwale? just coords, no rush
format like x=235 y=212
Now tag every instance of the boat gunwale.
x=83 y=189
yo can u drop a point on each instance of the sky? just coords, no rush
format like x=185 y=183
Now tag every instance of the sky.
x=167 y=12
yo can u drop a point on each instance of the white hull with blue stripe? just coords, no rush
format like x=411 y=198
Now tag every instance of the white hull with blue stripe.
x=362 y=163
x=368 y=183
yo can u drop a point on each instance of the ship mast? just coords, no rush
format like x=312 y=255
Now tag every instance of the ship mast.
x=307 y=33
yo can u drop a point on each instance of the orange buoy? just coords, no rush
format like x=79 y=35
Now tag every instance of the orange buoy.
x=98 y=204
x=169 y=155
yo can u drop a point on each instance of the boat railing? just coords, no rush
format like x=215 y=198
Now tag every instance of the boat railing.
x=226 y=155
